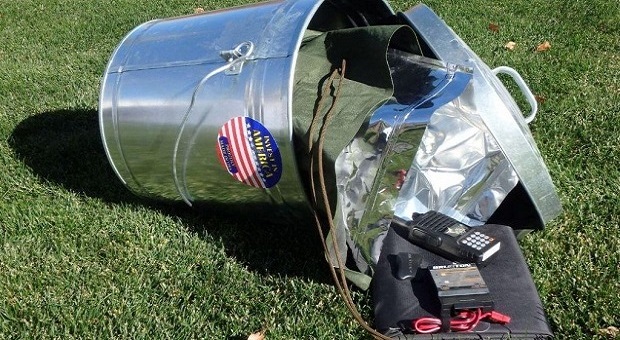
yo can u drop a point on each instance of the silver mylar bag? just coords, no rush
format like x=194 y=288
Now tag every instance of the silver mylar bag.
x=455 y=142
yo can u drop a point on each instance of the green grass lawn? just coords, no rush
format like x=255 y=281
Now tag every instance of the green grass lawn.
x=81 y=257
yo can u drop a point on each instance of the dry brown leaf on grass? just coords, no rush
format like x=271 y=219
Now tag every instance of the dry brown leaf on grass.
x=510 y=46
x=611 y=331
x=493 y=27
x=257 y=336
x=543 y=47
x=199 y=10
x=540 y=99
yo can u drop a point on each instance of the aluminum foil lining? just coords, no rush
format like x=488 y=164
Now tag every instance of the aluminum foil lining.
x=499 y=112
x=426 y=148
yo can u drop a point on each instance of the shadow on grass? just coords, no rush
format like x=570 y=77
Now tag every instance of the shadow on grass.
x=65 y=148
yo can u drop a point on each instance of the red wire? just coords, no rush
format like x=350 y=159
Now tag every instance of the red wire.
x=464 y=321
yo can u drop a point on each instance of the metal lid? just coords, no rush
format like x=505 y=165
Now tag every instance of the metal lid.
x=497 y=109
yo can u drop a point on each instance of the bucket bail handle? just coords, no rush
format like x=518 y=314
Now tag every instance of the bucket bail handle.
x=237 y=56
x=234 y=63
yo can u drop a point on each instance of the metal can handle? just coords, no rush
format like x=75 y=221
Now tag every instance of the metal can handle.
x=529 y=96
x=235 y=59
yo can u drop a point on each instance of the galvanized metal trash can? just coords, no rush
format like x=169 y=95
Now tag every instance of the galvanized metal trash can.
x=192 y=106
x=199 y=108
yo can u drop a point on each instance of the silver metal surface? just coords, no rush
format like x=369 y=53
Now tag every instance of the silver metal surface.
x=172 y=84
x=459 y=169
x=461 y=157
x=496 y=107
x=180 y=97
x=371 y=170
x=525 y=90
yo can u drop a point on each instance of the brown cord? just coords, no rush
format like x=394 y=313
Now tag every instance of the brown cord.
x=319 y=108
x=338 y=277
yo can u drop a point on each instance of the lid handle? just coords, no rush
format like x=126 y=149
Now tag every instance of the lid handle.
x=529 y=96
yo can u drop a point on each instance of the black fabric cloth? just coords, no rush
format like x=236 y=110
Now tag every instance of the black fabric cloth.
x=397 y=302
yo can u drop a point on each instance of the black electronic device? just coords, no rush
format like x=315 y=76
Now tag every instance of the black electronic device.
x=398 y=302
x=450 y=238
x=460 y=287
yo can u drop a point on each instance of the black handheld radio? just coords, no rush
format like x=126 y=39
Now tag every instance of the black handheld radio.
x=450 y=238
